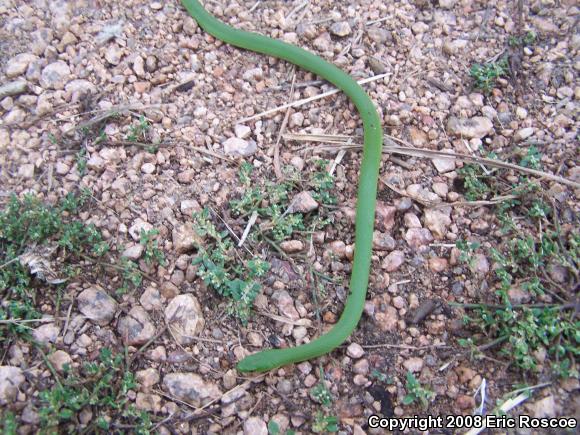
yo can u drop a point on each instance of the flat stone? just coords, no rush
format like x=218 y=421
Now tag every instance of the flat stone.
x=97 y=305
x=476 y=127
x=185 y=318
x=191 y=388
x=136 y=327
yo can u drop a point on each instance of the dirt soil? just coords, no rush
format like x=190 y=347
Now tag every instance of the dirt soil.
x=133 y=101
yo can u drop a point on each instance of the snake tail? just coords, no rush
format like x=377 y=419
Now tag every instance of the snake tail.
x=366 y=194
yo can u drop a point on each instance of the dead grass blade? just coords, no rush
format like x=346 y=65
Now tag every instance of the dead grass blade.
x=307 y=100
x=347 y=142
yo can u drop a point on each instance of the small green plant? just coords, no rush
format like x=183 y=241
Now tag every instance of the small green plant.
x=274 y=429
x=528 y=39
x=219 y=268
x=9 y=425
x=531 y=332
x=417 y=393
x=324 y=421
x=485 y=75
x=138 y=132
x=271 y=200
x=100 y=387
x=131 y=274
x=474 y=182
x=29 y=226
x=152 y=252
x=82 y=161
x=466 y=251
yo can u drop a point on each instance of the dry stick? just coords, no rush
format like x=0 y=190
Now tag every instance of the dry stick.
x=308 y=100
x=431 y=154
x=249 y=226
x=277 y=169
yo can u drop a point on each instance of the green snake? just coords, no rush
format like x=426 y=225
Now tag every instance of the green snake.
x=367 y=188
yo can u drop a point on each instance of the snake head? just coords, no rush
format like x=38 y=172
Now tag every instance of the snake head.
x=258 y=362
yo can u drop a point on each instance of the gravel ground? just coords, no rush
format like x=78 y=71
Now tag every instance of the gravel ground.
x=66 y=67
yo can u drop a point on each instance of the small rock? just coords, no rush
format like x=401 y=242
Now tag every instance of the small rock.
x=55 y=75
x=30 y=415
x=18 y=64
x=26 y=170
x=133 y=252
x=545 y=25
x=382 y=242
x=443 y=164
x=10 y=380
x=138 y=226
x=523 y=133
x=255 y=426
x=136 y=327
x=62 y=168
x=303 y=202
x=417 y=237
x=188 y=206
x=169 y=290
x=239 y=147
x=355 y=350
x=413 y=364
x=465 y=402
x=242 y=131
x=544 y=408
x=285 y=304
x=393 y=261
x=438 y=264
x=14 y=88
x=97 y=305
x=148 y=168
x=480 y=264
x=96 y=163
x=292 y=246
x=447 y=4
x=113 y=54
x=378 y=34
x=151 y=299
x=185 y=318
x=191 y=388
x=441 y=189
x=186 y=177
x=47 y=333
x=148 y=402
x=148 y=377
x=385 y=216
x=476 y=127
x=387 y=319
x=185 y=239
x=341 y=28
x=437 y=222
x=412 y=221
x=59 y=359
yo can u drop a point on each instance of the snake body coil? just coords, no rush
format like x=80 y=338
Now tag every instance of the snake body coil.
x=367 y=188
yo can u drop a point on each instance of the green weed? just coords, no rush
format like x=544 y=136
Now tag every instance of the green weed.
x=29 y=225
x=274 y=429
x=152 y=252
x=237 y=281
x=100 y=387
x=485 y=75
x=324 y=421
x=416 y=392
x=138 y=132
x=271 y=200
x=531 y=334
